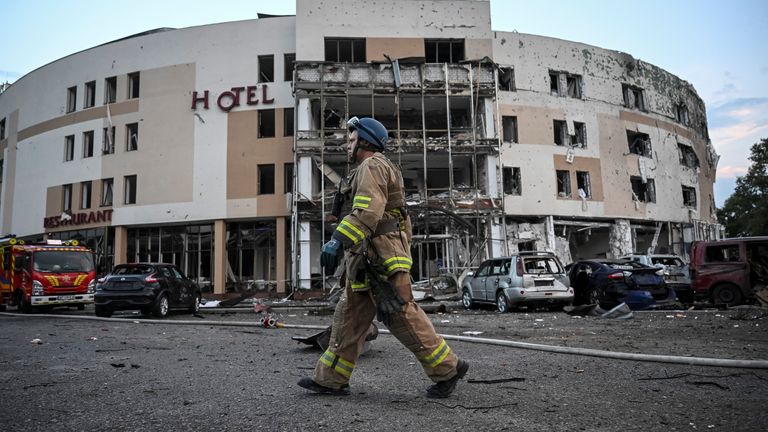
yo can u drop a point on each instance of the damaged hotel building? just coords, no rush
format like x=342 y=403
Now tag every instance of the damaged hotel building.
x=219 y=147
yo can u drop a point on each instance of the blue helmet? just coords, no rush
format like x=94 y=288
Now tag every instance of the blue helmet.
x=370 y=130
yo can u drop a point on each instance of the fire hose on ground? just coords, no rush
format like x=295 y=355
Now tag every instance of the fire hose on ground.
x=270 y=322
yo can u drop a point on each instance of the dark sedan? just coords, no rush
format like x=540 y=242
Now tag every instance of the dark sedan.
x=148 y=287
x=610 y=282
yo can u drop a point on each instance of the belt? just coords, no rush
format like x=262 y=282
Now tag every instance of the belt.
x=387 y=226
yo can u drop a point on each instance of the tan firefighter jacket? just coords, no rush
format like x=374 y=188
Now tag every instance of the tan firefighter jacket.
x=378 y=225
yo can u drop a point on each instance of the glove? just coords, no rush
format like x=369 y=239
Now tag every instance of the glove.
x=329 y=255
x=388 y=301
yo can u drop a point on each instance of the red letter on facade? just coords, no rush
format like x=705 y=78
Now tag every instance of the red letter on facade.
x=203 y=99
x=264 y=97
x=250 y=94
x=230 y=95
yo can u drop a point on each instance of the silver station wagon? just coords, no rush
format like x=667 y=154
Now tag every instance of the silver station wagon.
x=526 y=279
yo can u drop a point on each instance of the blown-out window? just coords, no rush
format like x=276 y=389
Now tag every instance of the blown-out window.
x=444 y=50
x=345 y=50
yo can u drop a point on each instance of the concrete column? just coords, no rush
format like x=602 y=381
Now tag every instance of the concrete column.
x=620 y=239
x=121 y=245
x=280 y=256
x=219 y=256
x=305 y=257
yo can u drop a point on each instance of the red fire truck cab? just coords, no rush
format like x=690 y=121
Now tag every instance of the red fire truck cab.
x=54 y=273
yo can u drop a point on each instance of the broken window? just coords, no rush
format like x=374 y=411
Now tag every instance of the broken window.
x=506 y=79
x=633 y=97
x=110 y=90
x=266 y=179
x=583 y=185
x=108 y=140
x=509 y=129
x=561 y=132
x=689 y=196
x=579 y=139
x=66 y=197
x=266 y=123
x=565 y=84
x=132 y=137
x=69 y=147
x=512 y=185
x=444 y=50
x=71 y=99
x=106 y=192
x=345 y=50
x=384 y=110
x=133 y=85
x=130 y=189
x=461 y=112
x=90 y=94
x=722 y=253
x=87 y=144
x=85 y=194
x=687 y=156
x=2 y=128
x=334 y=114
x=639 y=143
x=288 y=178
x=563 y=184
x=288 y=60
x=411 y=123
x=288 y=122
x=643 y=192
x=681 y=114
x=266 y=68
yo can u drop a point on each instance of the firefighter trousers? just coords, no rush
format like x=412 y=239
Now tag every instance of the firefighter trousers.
x=353 y=315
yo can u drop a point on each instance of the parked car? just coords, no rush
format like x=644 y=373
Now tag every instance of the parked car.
x=609 y=282
x=729 y=271
x=150 y=287
x=676 y=273
x=529 y=278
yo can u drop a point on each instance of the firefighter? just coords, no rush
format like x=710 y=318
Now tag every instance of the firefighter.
x=375 y=239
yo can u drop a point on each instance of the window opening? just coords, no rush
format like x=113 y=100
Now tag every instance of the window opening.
x=133 y=85
x=444 y=50
x=643 y=192
x=90 y=94
x=345 y=50
x=288 y=66
x=110 y=90
x=71 y=99
x=633 y=97
x=506 y=79
x=87 y=144
x=85 y=195
x=512 y=185
x=689 y=196
x=69 y=147
x=267 y=123
x=583 y=184
x=266 y=68
x=563 y=184
x=106 y=192
x=130 y=189
x=639 y=143
x=288 y=122
x=687 y=155
x=66 y=197
x=509 y=129
x=132 y=137
x=108 y=140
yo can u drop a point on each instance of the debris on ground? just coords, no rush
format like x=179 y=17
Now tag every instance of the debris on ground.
x=36 y=341
x=322 y=339
x=621 y=311
x=259 y=307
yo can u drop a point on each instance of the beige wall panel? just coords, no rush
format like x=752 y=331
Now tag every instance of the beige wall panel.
x=616 y=185
x=534 y=124
x=245 y=152
x=395 y=48
x=115 y=109
x=590 y=165
x=475 y=49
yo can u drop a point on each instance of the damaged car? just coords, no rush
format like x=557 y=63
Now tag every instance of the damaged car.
x=676 y=272
x=526 y=279
x=609 y=282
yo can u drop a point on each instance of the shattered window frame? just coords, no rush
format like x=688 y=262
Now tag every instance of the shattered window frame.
x=88 y=143
x=560 y=132
x=66 y=197
x=2 y=128
x=266 y=123
x=288 y=174
x=563 y=183
x=69 y=148
x=688 y=157
x=512 y=182
x=86 y=189
x=110 y=90
x=107 y=191
x=565 y=84
x=634 y=97
x=507 y=79
x=134 y=85
x=689 y=196
x=71 y=99
x=288 y=65
x=336 y=50
x=131 y=137
x=583 y=183
x=266 y=179
x=89 y=97
x=639 y=143
x=288 y=128
x=509 y=127
x=266 y=68
x=681 y=114
x=580 y=138
x=643 y=192
x=108 y=140
x=444 y=50
x=130 y=192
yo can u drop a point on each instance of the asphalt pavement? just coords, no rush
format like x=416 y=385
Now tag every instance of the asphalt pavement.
x=65 y=373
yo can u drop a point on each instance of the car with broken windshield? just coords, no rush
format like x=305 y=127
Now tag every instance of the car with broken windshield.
x=152 y=288
x=675 y=272
x=609 y=282
x=526 y=279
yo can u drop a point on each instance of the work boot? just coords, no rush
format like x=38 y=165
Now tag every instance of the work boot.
x=310 y=384
x=443 y=389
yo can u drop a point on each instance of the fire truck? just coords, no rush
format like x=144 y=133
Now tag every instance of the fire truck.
x=53 y=273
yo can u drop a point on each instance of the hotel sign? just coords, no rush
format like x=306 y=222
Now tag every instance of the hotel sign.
x=234 y=97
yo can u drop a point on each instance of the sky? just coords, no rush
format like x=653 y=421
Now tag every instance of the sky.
x=719 y=46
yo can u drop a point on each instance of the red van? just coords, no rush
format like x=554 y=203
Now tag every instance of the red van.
x=729 y=271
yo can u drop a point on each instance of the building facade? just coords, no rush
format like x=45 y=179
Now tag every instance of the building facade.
x=218 y=148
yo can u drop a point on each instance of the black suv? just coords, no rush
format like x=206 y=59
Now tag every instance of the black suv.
x=151 y=288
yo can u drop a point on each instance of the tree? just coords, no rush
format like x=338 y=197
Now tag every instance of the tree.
x=745 y=213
